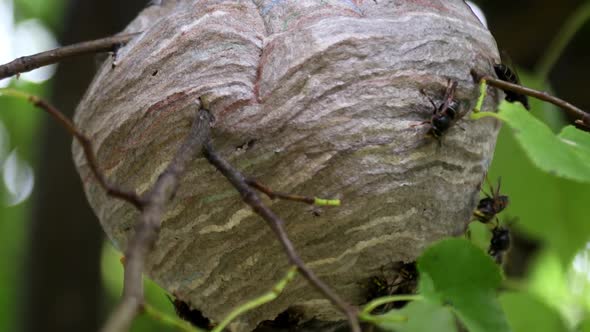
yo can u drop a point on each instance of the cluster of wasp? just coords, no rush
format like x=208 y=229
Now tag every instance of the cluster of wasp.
x=486 y=211
x=443 y=117
x=406 y=280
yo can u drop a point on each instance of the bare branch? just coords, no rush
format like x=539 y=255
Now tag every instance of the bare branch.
x=28 y=63
x=112 y=190
x=277 y=225
x=582 y=118
x=290 y=197
x=148 y=225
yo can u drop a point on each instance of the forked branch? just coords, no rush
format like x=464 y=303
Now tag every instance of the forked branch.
x=151 y=204
x=251 y=198
x=150 y=220
x=152 y=207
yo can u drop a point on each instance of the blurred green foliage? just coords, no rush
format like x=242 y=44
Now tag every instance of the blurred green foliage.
x=112 y=273
x=48 y=11
x=22 y=123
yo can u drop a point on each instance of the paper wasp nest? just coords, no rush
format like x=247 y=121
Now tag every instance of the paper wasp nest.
x=314 y=97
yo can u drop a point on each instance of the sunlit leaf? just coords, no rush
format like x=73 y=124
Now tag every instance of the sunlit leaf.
x=578 y=140
x=526 y=313
x=549 y=208
x=465 y=278
x=547 y=151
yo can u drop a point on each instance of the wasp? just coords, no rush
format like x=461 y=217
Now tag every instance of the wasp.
x=500 y=243
x=506 y=73
x=489 y=206
x=444 y=114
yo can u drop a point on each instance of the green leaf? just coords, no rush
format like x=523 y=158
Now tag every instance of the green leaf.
x=479 y=235
x=419 y=316
x=526 y=313
x=546 y=150
x=426 y=287
x=549 y=208
x=466 y=278
x=578 y=140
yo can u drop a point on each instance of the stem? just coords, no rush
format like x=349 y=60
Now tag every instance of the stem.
x=482 y=96
x=251 y=198
x=369 y=307
x=257 y=302
x=376 y=319
x=290 y=197
x=582 y=118
x=169 y=319
x=28 y=63
x=563 y=37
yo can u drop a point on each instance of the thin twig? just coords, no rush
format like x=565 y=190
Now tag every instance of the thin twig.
x=148 y=225
x=257 y=302
x=369 y=307
x=28 y=63
x=290 y=197
x=582 y=118
x=251 y=198
x=84 y=141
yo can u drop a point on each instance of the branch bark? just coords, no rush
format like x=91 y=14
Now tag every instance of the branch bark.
x=277 y=225
x=148 y=225
x=582 y=117
x=28 y=63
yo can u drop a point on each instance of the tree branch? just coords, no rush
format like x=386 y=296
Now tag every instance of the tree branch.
x=251 y=198
x=28 y=63
x=152 y=207
x=582 y=118
x=129 y=196
x=148 y=225
x=290 y=197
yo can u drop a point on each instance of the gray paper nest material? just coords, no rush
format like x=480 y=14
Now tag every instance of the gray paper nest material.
x=310 y=97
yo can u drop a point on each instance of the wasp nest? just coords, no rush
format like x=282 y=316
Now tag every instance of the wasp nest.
x=321 y=98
